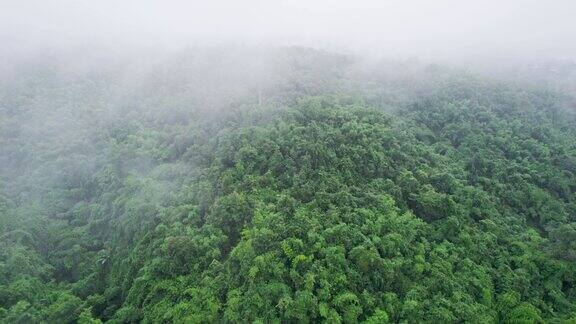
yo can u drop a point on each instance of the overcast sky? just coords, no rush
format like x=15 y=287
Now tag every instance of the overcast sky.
x=433 y=28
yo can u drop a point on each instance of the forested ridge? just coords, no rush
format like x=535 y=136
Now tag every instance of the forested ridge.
x=284 y=185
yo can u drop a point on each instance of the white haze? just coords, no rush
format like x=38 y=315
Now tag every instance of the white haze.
x=444 y=30
x=72 y=70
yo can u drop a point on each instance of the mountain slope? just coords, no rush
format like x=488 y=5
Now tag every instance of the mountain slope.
x=332 y=193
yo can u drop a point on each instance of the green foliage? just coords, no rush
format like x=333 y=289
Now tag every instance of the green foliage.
x=296 y=205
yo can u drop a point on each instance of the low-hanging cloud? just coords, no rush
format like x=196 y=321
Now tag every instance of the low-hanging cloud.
x=418 y=28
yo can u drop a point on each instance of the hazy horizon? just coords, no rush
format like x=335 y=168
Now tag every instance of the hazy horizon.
x=446 y=30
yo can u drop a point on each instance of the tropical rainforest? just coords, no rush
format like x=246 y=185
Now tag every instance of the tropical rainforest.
x=283 y=185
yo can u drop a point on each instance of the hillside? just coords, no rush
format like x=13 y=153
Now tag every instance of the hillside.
x=282 y=185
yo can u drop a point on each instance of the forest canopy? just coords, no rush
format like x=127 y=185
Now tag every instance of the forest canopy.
x=283 y=185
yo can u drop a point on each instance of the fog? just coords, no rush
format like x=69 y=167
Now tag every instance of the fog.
x=287 y=160
x=445 y=30
x=177 y=57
